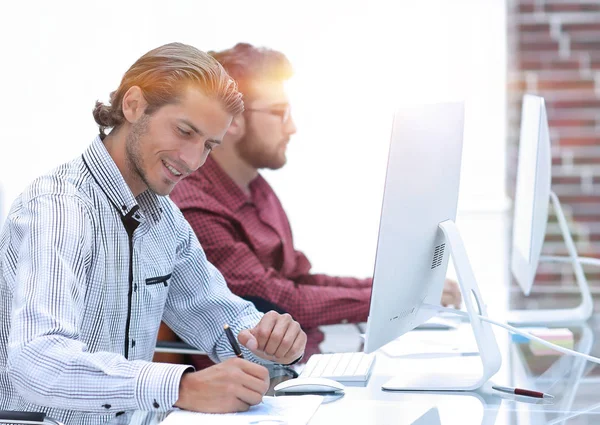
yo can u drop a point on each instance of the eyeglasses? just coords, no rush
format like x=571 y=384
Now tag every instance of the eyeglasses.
x=283 y=113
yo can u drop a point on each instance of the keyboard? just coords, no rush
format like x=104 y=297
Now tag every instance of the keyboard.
x=341 y=367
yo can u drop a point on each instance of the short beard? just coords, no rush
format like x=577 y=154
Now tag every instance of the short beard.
x=246 y=149
x=135 y=161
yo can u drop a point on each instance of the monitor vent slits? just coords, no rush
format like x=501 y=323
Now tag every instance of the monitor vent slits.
x=438 y=256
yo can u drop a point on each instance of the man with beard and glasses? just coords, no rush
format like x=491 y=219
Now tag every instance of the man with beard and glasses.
x=94 y=254
x=240 y=221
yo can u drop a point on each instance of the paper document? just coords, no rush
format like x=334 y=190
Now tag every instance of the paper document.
x=288 y=410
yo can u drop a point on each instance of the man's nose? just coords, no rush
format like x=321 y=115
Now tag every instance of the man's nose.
x=193 y=155
x=290 y=126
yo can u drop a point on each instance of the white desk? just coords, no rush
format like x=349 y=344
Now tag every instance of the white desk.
x=575 y=384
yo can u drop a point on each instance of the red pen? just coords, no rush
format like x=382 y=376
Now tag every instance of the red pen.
x=521 y=391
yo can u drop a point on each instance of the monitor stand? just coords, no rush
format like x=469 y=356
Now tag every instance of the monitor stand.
x=456 y=373
x=566 y=315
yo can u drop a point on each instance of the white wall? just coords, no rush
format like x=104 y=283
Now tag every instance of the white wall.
x=354 y=61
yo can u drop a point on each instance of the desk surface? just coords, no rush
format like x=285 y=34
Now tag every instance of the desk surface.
x=573 y=381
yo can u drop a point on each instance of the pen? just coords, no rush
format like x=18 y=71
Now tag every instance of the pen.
x=233 y=342
x=521 y=391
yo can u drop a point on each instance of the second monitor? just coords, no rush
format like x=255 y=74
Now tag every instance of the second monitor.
x=532 y=198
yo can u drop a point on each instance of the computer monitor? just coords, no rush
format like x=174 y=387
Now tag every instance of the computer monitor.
x=417 y=235
x=532 y=197
x=532 y=194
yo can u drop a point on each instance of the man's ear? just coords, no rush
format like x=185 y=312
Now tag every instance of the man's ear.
x=237 y=127
x=134 y=104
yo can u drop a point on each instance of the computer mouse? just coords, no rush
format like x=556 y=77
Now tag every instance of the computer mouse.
x=309 y=386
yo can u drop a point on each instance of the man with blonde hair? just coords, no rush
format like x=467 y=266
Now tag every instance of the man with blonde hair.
x=239 y=220
x=94 y=254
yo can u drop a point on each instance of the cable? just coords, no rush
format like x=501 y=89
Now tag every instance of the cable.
x=515 y=331
x=563 y=259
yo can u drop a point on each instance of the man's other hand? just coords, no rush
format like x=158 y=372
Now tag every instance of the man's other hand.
x=277 y=337
x=451 y=294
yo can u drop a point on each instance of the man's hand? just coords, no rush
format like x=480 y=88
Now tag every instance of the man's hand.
x=231 y=386
x=451 y=294
x=277 y=337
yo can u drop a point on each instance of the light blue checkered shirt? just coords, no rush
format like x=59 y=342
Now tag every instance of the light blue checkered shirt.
x=72 y=306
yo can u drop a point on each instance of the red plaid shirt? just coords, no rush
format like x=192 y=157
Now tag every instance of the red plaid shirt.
x=249 y=239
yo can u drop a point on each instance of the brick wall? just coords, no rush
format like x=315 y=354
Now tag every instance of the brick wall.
x=553 y=50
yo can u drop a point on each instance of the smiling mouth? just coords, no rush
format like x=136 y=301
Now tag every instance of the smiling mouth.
x=172 y=169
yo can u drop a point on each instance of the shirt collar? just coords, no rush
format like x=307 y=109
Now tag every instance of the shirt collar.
x=108 y=176
x=224 y=188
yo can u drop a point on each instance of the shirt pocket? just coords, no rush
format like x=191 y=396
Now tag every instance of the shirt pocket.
x=154 y=293
x=164 y=280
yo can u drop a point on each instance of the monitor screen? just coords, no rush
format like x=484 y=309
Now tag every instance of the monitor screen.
x=421 y=191
x=527 y=166
x=532 y=195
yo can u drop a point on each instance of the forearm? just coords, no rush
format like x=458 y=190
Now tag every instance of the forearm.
x=309 y=305
x=54 y=371
x=302 y=275
x=341 y=282
x=319 y=306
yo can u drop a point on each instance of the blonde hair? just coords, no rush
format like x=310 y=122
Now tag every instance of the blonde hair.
x=162 y=74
